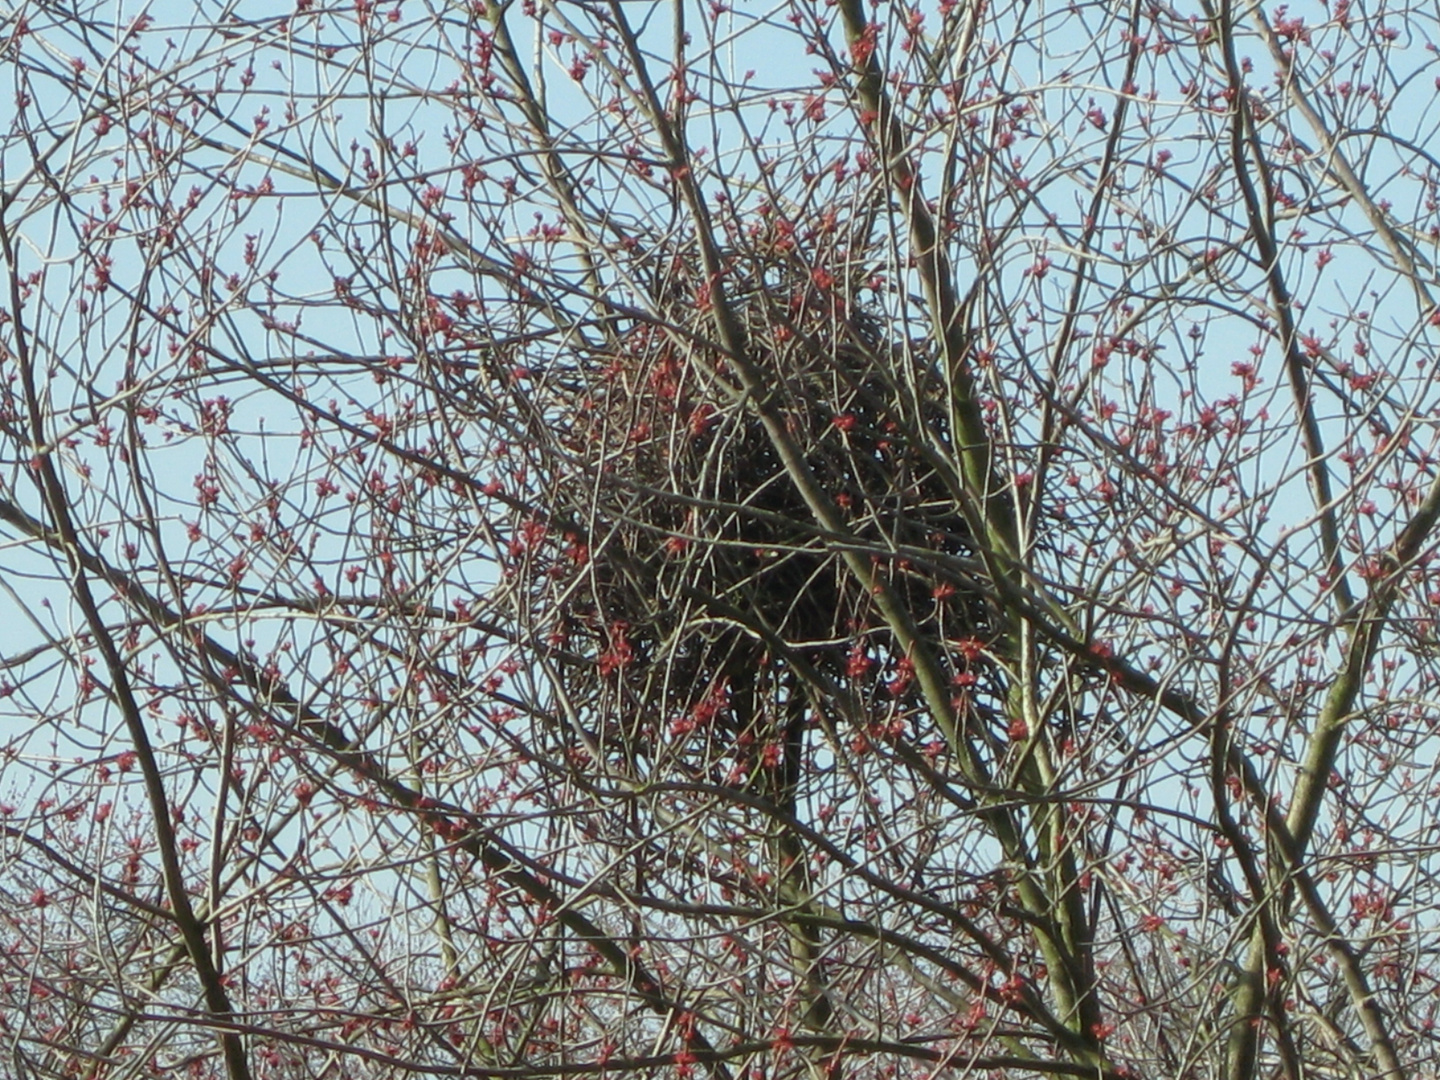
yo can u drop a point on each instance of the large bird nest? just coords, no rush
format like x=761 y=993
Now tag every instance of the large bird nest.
x=696 y=565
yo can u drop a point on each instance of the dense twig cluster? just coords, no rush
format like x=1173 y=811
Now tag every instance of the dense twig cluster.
x=700 y=559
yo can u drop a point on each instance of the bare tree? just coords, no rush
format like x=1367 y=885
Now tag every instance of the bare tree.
x=750 y=540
